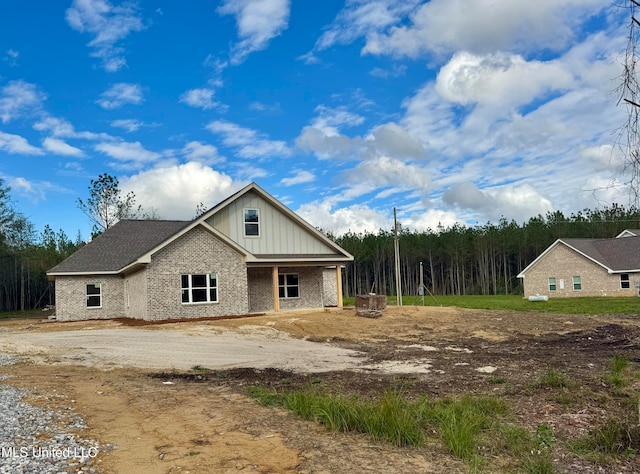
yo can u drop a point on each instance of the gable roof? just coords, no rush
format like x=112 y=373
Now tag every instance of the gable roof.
x=132 y=242
x=119 y=246
x=340 y=252
x=614 y=255
x=629 y=233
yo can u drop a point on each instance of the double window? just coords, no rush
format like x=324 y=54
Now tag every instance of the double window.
x=94 y=295
x=200 y=288
x=288 y=286
x=625 y=282
x=251 y=223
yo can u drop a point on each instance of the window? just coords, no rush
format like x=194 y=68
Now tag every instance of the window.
x=288 y=285
x=625 y=282
x=552 y=284
x=577 y=283
x=94 y=295
x=200 y=288
x=251 y=223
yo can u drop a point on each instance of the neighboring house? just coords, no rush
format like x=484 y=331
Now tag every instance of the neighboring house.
x=249 y=253
x=586 y=267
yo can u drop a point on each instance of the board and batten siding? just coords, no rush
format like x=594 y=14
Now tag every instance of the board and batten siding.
x=279 y=233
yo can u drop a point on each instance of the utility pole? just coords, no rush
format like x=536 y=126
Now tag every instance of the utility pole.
x=397 y=252
x=421 y=287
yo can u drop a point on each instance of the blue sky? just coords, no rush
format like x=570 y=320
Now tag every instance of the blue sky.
x=450 y=110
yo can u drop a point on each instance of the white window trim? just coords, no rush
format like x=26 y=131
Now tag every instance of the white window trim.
x=244 y=223
x=208 y=289
x=628 y=281
x=285 y=286
x=87 y=295
x=555 y=283
x=573 y=282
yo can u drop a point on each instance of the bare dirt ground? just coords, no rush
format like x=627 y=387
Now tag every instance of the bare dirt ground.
x=136 y=390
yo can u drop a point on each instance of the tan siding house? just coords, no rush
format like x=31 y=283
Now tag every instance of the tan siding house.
x=250 y=253
x=586 y=267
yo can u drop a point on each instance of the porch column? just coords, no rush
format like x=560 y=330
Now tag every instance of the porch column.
x=339 y=284
x=276 y=292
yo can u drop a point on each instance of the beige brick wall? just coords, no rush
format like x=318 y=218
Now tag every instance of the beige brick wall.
x=135 y=295
x=330 y=287
x=563 y=264
x=71 y=300
x=310 y=285
x=196 y=252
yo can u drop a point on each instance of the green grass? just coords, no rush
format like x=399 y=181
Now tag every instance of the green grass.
x=31 y=313
x=551 y=378
x=461 y=424
x=612 y=439
x=581 y=305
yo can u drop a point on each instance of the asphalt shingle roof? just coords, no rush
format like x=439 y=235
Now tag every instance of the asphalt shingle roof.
x=119 y=246
x=617 y=254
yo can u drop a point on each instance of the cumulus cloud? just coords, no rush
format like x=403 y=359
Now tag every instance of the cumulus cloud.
x=17 y=98
x=356 y=218
x=444 y=26
x=201 y=153
x=300 y=177
x=258 y=21
x=387 y=172
x=17 y=145
x=60 y=147
x=391 y=139
x=200 y=98
x=129 y=154
x=174 y=192
x=511 y=201
x=247 y=142
x=500 y=79
x=120 y=94
x=109 y=25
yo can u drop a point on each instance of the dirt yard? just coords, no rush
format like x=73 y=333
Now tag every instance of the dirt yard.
x=171 y=397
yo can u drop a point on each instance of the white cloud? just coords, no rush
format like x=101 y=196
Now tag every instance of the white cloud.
x=300 y=177
x=393 y=140
x=120 y=94
x=11 y=57
x=201 y=153
x=384 y=171
x=329 y=119
x=174 y=192
x=360 y=18
x=131 y=154
x=500 y=79
x=357 y=218
x=17 y=145
x=60 y=147
x=258 y=21
x=430 y=220
x=444 y=26
x=129 y=125
x=200 y=98
x=249 y=143
x=109 y=24
x=17 y=98
x=513 y=201
x=63 y=129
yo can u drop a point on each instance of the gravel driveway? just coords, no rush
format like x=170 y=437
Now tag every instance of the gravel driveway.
x=167 y=349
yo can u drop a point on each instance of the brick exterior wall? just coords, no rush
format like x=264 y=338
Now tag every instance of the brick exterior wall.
x=310 y=281
x=135 y=295
x=196 y=252
x=563 y=264
x=71 y=300
x=330 y=287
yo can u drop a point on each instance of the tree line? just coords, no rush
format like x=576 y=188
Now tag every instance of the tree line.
x=26 y=255
x=462 y=260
